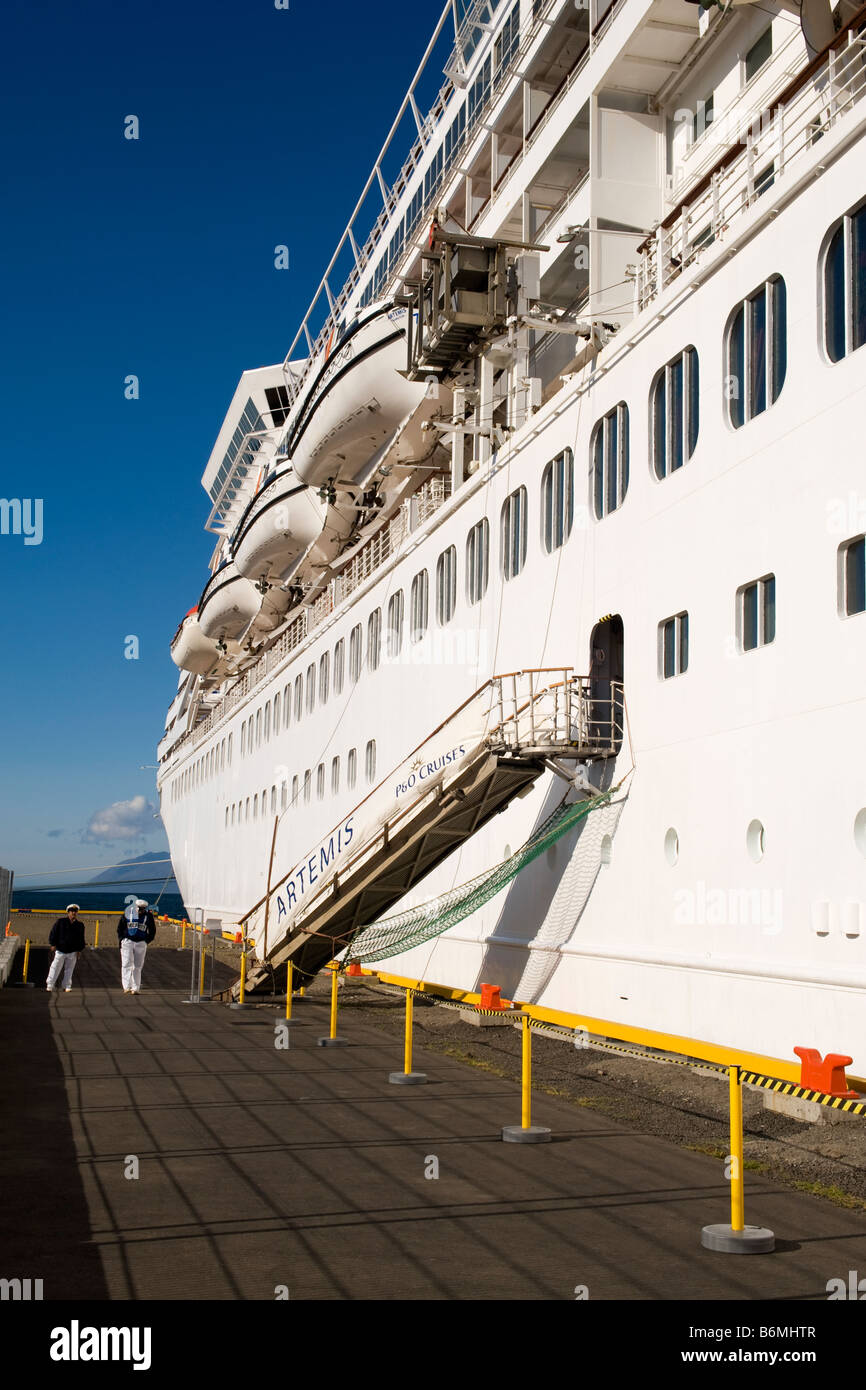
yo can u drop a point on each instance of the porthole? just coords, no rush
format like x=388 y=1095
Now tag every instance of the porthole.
x=672 y=847
x=755 y=841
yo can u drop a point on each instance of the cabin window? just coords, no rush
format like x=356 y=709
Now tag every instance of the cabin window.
x=273 y=801
x=299 y=697
x=845 y=286
x=247 y=816
x=234 y=808
x=267 y=721
x=227 y=818
x=295 y=789
x=374 y=639
x=703 y=116
x=276 y=715
x=284 y=796
x=256 y=806
x=757 y=352
x=320 y=781
x=371 y=760
x=394 y=634
x=311 y=688
x=674 y=646
x=308 y=784
x=352 y=767
x=243 y=737
x=852 y=575
x=339 y=666
x=674 y=404
x=287 y=705
x=513 y=533
x=420 y=606
x=756 y=613
x=610 y=461
x=477 y=561
x=759 y=53
x=258 y=728
x=229 y=750
x=557 y=501
x=446 y=586
x=335 y=776
x=324 y=677
x=355 y=653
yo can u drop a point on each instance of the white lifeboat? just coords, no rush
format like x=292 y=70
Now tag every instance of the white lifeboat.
x=228 y=605
x=191 y=650
x=357 y=403
x=276 y=529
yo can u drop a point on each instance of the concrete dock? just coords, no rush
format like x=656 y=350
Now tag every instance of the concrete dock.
x=155 y=1149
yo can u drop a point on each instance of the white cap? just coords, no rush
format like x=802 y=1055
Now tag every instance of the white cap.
x=141 y=902
x=69 y=907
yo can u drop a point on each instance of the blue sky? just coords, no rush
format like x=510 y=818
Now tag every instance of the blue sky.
x=153 y=257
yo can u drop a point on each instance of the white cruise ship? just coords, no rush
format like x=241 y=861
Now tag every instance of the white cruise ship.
x=534 y=647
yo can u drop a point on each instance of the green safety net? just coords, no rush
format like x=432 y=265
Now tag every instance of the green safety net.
x=419 y=924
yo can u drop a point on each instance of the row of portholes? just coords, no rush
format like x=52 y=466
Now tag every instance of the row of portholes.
x=755 y=840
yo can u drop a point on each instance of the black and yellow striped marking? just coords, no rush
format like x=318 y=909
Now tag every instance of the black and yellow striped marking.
x=788 y=1088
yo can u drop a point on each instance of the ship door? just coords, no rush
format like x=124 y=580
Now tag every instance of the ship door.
x=606 y=681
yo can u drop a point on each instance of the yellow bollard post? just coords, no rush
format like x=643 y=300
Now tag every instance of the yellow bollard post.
x=96 y=935
x=243 y=975
x=201 y=973
x=332 y=1040
x=408 y=1077
x=525 y=1132
x=738 y=1238
x=289 y=973
x=26 y=959
x=301 y=992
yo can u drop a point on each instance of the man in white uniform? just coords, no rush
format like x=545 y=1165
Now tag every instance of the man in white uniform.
x=135 y=930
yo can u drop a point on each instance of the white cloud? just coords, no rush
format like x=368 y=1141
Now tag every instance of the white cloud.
x=122 y=820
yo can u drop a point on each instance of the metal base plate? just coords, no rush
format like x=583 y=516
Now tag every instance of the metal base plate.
x=332 y=1042
x=533 y=1134
x=242 y=1006
x=752 y=1240
x=407 y=1078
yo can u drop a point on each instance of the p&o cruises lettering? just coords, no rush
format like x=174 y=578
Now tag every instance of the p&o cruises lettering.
x=309 y=873
x=428 y=770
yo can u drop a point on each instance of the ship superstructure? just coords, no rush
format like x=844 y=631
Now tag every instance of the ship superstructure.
x=574 y=425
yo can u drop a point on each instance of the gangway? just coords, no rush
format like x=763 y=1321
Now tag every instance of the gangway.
x=493 y=748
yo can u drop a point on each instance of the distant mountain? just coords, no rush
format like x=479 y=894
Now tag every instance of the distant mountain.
x=134 y=873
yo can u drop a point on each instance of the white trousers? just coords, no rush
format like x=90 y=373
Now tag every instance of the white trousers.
x=132 y=955
x=65 y=961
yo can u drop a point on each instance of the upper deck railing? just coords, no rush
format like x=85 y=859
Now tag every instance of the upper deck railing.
x=772 y=145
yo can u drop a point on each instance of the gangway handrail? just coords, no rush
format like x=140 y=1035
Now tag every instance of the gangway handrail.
x=380 y=836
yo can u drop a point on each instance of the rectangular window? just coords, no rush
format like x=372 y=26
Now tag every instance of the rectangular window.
x=853 y=576
x=757 y=352
x=335 y=776
x=371 y=760
x=258 y=728
x=308 y=785
x=320 y=781
x=339 y=666
x=675 y=413
x=273 y=801
x=287 y=705
x=477 y=561
x=845 y=286
x=355 y=653
x=267 y=730
x=394 y=634
x=446 y=586
x=420 y=602
x=295 y=790
x=311 y=688
x=610 y=460
x=299 y=698
x=284 y=795
x=243 y=738
x=674 y=646
x=557 y=501
x=352 y=767
x=277 y=703
x=756 y=613
x=759 y=53
x=513 y=536
x=374 y=639
x=324 y=677
x=703 y=116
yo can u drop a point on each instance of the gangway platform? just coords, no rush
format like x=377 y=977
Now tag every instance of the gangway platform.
x=510 y=731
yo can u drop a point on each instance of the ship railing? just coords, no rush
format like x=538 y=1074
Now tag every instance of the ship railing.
x=296 y=381
x=575 y=716
x=772 y=144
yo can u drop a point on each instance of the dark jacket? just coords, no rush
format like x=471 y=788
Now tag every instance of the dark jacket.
x=148 y=924
x=67 y=936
